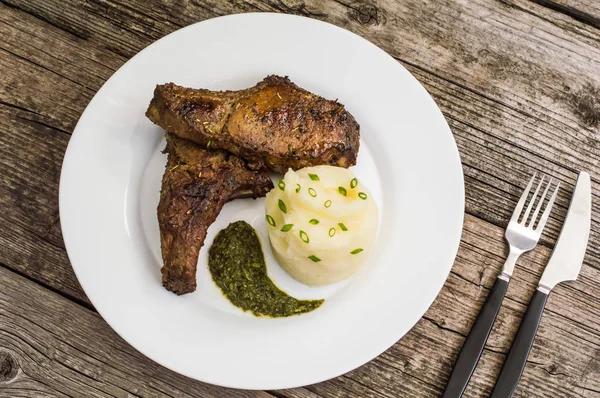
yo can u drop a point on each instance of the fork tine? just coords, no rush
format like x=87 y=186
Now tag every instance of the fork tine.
x=547 y=210
x=539 y=205
x=533 y=197
x=521 y=203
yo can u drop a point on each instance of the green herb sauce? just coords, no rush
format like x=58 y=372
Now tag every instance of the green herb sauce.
x=237 y=266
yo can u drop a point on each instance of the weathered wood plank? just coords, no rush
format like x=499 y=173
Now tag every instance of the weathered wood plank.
x=30 y=238
x=60 y=347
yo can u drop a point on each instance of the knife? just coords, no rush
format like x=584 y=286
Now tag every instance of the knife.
x=564 y=265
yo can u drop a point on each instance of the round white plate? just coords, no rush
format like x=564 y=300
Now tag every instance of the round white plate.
x=110 y=184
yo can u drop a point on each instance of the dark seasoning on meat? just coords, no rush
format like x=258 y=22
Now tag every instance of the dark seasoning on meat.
x=220 y=145
x=275 y=124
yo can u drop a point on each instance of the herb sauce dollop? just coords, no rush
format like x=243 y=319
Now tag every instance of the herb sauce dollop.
x=237 y=266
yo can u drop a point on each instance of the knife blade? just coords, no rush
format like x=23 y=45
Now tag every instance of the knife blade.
x=564 y=265
x=567 y=256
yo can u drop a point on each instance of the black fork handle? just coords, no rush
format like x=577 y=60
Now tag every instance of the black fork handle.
x=475 y=342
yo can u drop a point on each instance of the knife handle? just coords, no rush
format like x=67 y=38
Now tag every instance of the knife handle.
x=473 y=346
x=517 y=356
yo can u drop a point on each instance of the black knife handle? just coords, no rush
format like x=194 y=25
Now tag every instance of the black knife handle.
x=473 y=346
x=517 y=356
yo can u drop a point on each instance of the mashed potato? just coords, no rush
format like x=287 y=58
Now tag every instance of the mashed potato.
x=322 y=224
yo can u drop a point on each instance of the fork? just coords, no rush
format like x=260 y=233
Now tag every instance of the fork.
x=522 y=236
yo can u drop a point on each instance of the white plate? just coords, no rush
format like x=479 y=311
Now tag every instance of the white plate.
x=111 y=178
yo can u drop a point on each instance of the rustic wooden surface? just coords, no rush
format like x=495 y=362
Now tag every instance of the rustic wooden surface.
x=518 y=82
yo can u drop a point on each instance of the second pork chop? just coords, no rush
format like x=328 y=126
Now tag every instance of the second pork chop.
x=195 y=186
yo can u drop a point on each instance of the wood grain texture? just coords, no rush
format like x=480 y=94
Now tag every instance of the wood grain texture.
x=517 y=81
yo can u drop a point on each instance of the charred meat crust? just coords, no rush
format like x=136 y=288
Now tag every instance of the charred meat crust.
x=275 y=124
x=195 y=186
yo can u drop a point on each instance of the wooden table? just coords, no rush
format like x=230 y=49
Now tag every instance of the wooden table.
x=518 y=82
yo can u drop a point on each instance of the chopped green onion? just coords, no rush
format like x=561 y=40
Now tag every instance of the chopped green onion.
x=287 y=227
x=353 y=183
x=356 y=251
x=282 y=206
x=314 y=258
x=281 y=185
x=342 y=190
x=314 y=177
x=343 y=227
x=362 y=195
x=297 y=188
x=314 y=221
x=312 y=192
x=331 y=232
x=304 y=237
x=270 y=220
x=327 y=203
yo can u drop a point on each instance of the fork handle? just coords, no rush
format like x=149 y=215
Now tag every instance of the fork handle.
x=517 y=356
x=473 y=346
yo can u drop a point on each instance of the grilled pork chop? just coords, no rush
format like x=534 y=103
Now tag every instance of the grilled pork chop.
x=275 y=124
x=195 y=186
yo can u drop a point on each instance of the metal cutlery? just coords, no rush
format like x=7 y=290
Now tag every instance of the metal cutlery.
x=522 y=235
x=564 y=265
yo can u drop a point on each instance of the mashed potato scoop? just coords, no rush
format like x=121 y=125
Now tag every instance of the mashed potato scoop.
x=322 y=224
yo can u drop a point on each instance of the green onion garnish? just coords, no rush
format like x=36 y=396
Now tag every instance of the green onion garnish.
x=282 y=206
x=304 y=237
x=286 y=227
x=342 y=190
x=356 y=251
x=362 y=195
x=332 y=232
x=327 y=203
x=314 y=258
x=270 y=220
x=343 y=227
x=314 y=177
x=297 y=188
x=281 y=185
x=353 y=183
x=312 y=192
x=314 y=221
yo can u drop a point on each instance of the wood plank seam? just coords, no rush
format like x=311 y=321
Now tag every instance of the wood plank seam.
x=76 y=300
x=49 y=70
x=511 y=4
x=32 y=121
x=574 y=13
x=20 y=108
